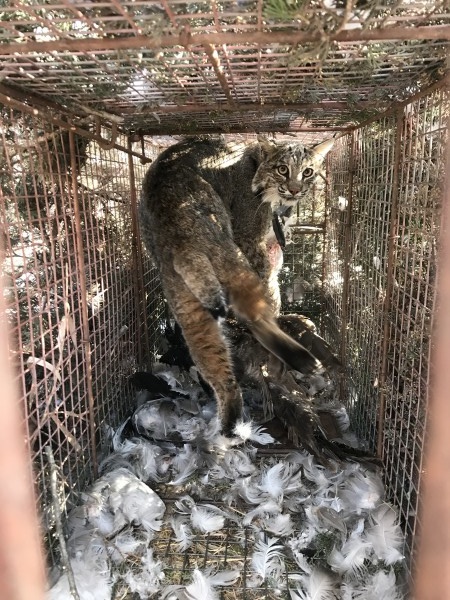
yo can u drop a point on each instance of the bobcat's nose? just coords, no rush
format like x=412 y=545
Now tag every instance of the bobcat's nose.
x=294 y=189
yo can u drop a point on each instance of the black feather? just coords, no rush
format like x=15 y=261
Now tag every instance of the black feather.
x=156 y=386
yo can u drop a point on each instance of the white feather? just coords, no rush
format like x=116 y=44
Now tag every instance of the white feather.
x=92 y=582
x=316 y=586
x=268 y=507
x=322 y=517
x=301 y=561
x=350 y=558
x=148 y=580
x=171 y=377
x=182 y=531
x=138 y=456
x=191 y=428
x=184 y=465
x=280 y=525
x=125 y=544
x=237 y=463
x=315 y=473
x=381 y=586
x=248 y=431
x=384 y=534
x=185 y=504
x=361 y=491
x=154 y=421
x=135 y=500
x=275 y=479
x=200 y=588
x=205 y=520
x=224 y=578
x=266 y=558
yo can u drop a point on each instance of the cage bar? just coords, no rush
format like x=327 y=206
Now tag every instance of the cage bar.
x=92 y=92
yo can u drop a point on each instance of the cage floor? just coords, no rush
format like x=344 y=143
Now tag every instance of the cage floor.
x=182 y=513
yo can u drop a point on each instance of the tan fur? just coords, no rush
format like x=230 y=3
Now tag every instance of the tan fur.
x=205 y=228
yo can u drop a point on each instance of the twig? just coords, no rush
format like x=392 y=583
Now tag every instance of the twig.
x=58 y=523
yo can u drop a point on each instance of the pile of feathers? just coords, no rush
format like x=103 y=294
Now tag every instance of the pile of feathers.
x=182 y=513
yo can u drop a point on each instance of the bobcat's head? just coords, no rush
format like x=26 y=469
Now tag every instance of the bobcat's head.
x=287 y=170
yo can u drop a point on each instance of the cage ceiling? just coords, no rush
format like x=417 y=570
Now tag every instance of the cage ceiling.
x=177 y=66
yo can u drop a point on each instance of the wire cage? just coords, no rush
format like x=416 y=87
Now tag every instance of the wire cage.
x=91 y=93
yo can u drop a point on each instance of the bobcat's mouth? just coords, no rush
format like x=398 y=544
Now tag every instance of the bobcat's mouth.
x=287 y=196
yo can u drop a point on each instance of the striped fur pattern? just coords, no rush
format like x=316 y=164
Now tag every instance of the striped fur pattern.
x=205 y=213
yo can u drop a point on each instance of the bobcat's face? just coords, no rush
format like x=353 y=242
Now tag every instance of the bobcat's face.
x=287 y=171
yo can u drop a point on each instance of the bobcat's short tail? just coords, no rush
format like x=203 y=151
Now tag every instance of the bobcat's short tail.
x=267 y=332
x=248 y=300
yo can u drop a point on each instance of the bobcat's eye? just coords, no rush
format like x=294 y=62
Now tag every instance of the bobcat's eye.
x=308 y=172
x=283 y=170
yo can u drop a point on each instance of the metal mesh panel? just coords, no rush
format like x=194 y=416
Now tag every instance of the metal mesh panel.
x=193 y=67
x=74 y=300
x=422 y=162
x=228 y=549
x=366 y=232
x=340 y=182
x=301 y=278
x=380 y=283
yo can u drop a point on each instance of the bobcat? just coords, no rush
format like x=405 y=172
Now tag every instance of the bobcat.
x=205 y=217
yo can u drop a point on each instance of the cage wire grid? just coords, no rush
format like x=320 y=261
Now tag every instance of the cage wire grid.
x=76 y=306
x=43 y=246
x=382 y=316
x=196 y=67
x=83 y=298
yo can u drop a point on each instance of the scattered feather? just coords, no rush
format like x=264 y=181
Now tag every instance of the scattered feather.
x=148 y=580
x=280 y=525
x=318 y=585
x=362 y=491
x=201 y=588
x=185 y=463
x=93 y=582
x=182 y=531
x=269 y=507
x=351 y=557
x=266 y=558
x=275 y=479
x=384 y=534
x=247 y=431
x=205 y=520
x=296 y=501
x=380 y=586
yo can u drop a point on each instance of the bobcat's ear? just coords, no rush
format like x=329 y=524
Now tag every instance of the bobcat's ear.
x=265 y=144
x=321 y=150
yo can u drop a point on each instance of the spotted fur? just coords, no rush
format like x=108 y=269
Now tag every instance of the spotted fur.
x=205 y=213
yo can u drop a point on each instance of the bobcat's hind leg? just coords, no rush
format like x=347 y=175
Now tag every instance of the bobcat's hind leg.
x=210 y=353
x=198 y=274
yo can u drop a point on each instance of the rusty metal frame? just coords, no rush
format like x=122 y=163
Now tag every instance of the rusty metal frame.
x=214 y=68
x=187 y=39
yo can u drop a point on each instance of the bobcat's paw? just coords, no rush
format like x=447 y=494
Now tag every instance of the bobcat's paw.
x=219 y=307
